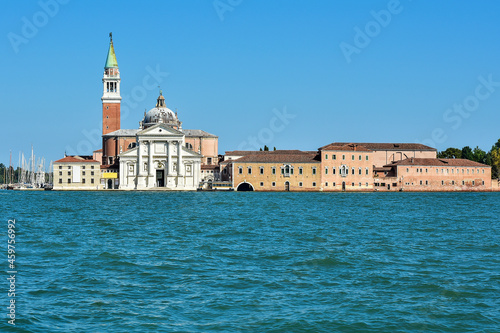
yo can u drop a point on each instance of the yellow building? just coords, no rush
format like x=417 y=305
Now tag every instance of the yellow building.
x=76 y=173
x=280 y=170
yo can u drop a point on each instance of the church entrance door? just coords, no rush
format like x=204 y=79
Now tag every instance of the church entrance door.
x=160 y=178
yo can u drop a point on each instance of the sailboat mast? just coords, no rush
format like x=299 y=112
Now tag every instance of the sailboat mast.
x=32 y=178
x=10 y=168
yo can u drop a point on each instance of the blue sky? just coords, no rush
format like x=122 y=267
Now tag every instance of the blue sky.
x=290 y=74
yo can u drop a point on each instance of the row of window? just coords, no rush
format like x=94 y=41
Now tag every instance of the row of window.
x=352 y=184
x=69 y=167
x=353 y=157
x=83 y=181
x=344 y=171
x=69 y=173
x=446 y=183
x=273 y=184
x=286 y=170
x=447 y=170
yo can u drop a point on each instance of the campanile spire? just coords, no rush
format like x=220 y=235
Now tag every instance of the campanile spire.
x=111 y=98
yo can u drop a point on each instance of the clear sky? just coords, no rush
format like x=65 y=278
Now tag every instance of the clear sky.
x=292 y=74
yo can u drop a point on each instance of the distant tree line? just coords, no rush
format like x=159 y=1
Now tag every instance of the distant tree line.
x=4 y=174
x=491 y=158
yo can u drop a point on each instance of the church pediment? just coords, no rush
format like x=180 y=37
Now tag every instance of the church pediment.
x=129 y=153
x=160 y=130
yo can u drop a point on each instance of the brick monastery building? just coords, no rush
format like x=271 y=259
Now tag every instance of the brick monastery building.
x=161 y=155
x=355 y=167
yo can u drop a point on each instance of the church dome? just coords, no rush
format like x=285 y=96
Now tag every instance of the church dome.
x=161 y=115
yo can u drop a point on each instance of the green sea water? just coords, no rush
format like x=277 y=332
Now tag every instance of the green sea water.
x=252 y=262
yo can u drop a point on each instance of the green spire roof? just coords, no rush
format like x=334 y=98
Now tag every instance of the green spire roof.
x=111 y=58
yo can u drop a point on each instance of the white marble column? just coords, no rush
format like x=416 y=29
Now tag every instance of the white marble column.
x=150 y=182
x=168 y=165
x=122 y=174
x=181 y=168
x=196 y=173
x=150 y=157
x=139 y=158
x=179 y=159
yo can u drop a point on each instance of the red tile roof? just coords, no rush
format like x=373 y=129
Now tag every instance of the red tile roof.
x=387 y=146
x=75 y=159
x=209 y=167
x=115 y=166
x=241 y=152
x=250 y=152
x=281 y=156
x=336 y=146
x=442 y=162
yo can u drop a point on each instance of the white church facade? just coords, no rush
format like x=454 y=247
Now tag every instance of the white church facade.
x=159 y=160
x=154 y=156
x=159 y=155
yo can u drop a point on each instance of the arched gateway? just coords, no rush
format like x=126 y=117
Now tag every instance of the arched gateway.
x=244 y=187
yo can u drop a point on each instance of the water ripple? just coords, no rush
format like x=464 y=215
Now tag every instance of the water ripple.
x=256 y=262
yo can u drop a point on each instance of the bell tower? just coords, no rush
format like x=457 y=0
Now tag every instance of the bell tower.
x=111 y=92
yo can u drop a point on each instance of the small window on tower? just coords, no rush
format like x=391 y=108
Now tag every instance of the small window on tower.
x=107 y=117
x=107 y=127
x=107 y=107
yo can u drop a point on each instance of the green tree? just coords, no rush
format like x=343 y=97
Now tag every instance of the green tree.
x=497 y=145
x=275 y=148
x=450 y=153
x=495 y=163
x=2 y=172
x=266 y=148
x=467 y=153
x=479 y=155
